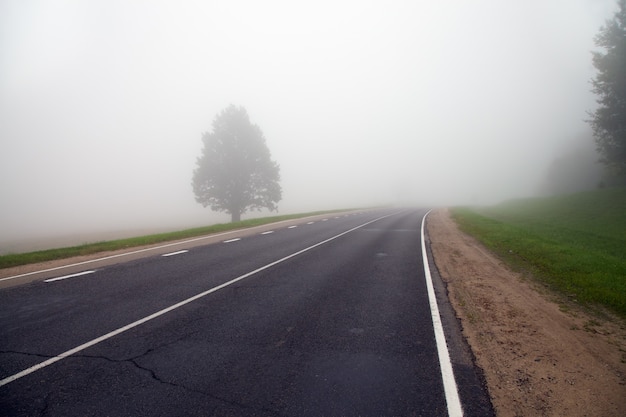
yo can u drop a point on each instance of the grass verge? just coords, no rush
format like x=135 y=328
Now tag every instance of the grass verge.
x=12 y=260
x=576 y=244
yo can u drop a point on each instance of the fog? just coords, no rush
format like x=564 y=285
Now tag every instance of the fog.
x=103 y=103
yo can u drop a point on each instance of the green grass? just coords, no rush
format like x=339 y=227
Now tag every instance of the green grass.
x=11 y=260
x=576 y=244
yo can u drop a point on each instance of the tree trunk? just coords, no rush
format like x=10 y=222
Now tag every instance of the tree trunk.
x=235 y=217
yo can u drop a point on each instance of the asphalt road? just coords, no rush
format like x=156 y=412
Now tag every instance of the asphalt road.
x=323 y=318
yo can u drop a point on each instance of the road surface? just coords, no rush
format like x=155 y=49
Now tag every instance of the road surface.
x=318 y=318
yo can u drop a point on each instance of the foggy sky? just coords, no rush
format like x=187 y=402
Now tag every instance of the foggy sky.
x=103 y=103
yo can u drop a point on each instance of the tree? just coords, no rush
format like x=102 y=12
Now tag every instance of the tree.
x=609 y=119
x=235 y=172
x=575 y=169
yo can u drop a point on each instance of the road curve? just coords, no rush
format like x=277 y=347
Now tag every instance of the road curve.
x=317 y=318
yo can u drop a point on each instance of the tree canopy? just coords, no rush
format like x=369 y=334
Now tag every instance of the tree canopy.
x=609 y=119
x=235 y=172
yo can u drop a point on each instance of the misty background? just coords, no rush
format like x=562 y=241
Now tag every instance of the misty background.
x=103 y=105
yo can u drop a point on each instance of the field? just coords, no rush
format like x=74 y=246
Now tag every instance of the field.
x=575 y=244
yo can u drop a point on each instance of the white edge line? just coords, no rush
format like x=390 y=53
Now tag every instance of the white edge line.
x=142 y=250
x=69 y=276
x=175 y=253
x=449 y=383
x=109 y=335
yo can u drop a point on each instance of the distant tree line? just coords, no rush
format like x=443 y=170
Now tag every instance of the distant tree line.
x=575 y=169
x=608 y=121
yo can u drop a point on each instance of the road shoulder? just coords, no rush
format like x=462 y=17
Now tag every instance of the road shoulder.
x=537 y=358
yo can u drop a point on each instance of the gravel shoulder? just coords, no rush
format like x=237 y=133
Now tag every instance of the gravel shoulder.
x=540 y=355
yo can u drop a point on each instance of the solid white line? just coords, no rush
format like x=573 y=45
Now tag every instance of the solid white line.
x=449 y=384
x=69 y=276
x=232 y=240
x=268 y=232
x=175 y=253
x=173 y=307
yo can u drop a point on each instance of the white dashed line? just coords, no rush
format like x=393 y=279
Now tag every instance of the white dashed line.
x=232 y=240
x=268 y=232
x=69 y=276
x=133 y=252
x=292 y=227
x=310 y=222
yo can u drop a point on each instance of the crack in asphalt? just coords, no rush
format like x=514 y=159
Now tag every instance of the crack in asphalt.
x=46 y=405
x=15 y=352
x=157 y=378
x=134 y=361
